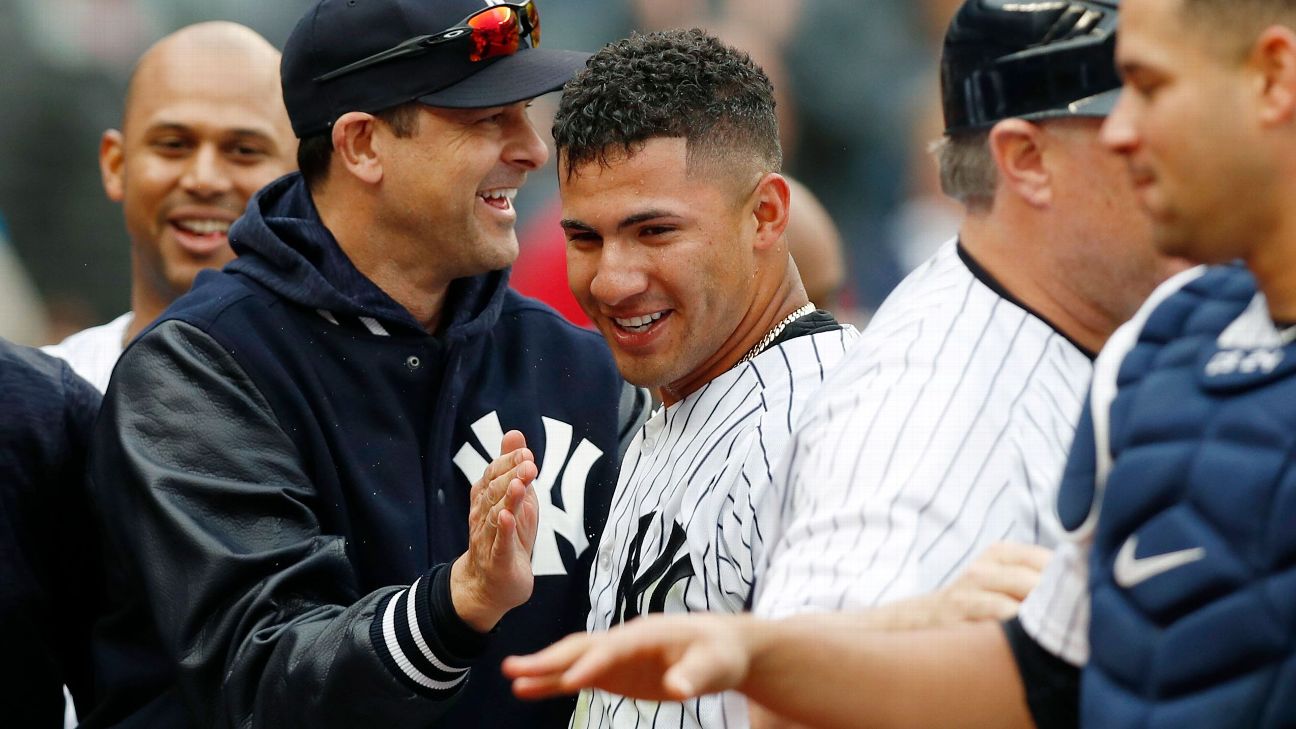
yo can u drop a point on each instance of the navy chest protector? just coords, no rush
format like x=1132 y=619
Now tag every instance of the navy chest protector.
x=1193 y=577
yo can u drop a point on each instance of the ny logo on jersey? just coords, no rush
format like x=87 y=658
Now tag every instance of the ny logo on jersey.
x=668 y=570
x=559 y=460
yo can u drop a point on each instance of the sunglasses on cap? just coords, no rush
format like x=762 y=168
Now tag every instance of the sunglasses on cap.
x=494 y=32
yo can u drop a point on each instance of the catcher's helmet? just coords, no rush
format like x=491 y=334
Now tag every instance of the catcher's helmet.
x=1028 y=59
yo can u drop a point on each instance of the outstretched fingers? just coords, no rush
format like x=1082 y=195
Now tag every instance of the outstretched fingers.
x=504 y=517
x=1009 y=569
x=597 y=660
x=1031 y=556
x=504 y=493
x=514 y=461
x=494 y=575
x=533 y=688
x=513 y=440
x=697 y=673
x=655 y=659
x=540 y=673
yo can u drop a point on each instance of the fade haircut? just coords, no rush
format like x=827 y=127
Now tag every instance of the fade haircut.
x=967 y=169
x=314 y=153
x=676 y=83
x=1233 y=25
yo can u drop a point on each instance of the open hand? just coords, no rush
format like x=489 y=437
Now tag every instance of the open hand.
x=494 y=575
x=993 y=586
x=656 y=657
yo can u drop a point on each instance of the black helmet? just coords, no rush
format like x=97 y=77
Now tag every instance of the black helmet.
x=1028 y=59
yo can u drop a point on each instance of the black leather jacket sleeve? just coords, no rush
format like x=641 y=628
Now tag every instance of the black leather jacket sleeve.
x=206 y=498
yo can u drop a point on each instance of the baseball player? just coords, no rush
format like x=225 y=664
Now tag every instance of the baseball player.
x=203 y=129
x=947 y=427
x=1176 y=591
x=675 y=215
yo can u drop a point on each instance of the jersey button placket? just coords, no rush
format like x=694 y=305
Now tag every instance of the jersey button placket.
x=652 y=430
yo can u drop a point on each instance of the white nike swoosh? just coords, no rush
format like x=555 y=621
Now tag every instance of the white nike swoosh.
x=1130 y=571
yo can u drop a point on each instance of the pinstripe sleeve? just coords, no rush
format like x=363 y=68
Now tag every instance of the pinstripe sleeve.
x=913 y=466
x=944 y=431
x=1056 y=613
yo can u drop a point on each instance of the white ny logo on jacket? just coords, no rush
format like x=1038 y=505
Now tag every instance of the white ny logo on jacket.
x=559 y=459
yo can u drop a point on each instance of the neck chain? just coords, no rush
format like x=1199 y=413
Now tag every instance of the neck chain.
x=773 y=333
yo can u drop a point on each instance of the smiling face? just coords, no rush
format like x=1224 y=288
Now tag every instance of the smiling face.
x=661 y=260
x=448 y=188
x=205 y=128
x=1186 y=126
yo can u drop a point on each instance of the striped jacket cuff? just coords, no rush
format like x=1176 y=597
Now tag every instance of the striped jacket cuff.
x=421 y=639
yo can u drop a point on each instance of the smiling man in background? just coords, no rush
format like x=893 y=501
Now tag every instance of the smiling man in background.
x=204 y=128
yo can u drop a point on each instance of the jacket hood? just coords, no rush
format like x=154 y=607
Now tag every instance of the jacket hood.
x=283 y=245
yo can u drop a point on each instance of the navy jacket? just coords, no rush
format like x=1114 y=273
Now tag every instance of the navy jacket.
x=285 y=461
x=48 y=564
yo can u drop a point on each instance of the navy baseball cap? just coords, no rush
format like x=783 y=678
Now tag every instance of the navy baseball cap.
x=335 y=34
x=1008 y=59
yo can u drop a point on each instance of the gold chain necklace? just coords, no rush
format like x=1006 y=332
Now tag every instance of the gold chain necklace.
x=773 y=333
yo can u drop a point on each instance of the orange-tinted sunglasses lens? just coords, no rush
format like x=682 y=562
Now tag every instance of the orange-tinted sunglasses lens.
x=495 y=32
x=498 y=31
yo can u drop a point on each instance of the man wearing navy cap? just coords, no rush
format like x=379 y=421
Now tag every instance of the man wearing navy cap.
x=296 y=462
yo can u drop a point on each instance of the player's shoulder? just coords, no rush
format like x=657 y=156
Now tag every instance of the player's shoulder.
x=803 y=359
x=922 y=310
x=926 y=291
x=92 y=340
x=785 y=378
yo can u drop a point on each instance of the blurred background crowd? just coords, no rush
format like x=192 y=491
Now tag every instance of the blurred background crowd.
x=856 y=82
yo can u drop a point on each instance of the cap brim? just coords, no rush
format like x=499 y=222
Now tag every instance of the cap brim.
x=1098 y=105
x=526 y=74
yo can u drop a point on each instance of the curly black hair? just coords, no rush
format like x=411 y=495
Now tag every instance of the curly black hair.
x=676 y=83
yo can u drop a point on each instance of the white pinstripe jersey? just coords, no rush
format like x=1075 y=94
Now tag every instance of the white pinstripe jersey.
x=684 y=532
x=946 y=429
x=1056 y=613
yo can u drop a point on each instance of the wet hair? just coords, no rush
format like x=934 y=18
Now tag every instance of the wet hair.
x=314 y=153
x=677 y=83
x=967 y=169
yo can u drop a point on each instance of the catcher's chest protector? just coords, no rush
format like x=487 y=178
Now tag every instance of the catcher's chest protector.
x=1193 y=577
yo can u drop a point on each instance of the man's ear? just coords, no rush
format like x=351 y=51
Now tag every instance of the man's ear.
x=1018 y=149
x=1274 y=57
x=773 y=208
x=353 y=146
x=112 y=165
